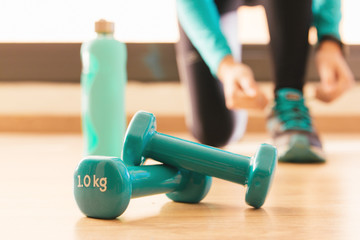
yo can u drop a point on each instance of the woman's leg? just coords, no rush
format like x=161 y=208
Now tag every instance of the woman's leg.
x=290 y=122
x=208 y=118
x=289 y=22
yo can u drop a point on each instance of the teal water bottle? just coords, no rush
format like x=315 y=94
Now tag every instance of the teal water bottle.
x=103 y=82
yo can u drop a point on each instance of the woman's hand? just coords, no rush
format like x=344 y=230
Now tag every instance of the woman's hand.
x=335 y=74
x=240 y=87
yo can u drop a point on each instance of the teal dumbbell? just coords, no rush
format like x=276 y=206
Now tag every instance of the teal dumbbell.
x=142 y=141
x=103 y=186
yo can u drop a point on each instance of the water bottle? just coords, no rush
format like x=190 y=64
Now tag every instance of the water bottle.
x=103 y=83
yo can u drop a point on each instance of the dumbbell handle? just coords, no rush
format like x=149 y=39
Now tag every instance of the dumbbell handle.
x=154 y=179
x=196 y=157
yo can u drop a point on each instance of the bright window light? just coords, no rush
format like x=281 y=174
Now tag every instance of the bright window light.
x=135 y=21
x=73 y=21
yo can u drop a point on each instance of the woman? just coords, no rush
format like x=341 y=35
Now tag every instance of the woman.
x=219 y=84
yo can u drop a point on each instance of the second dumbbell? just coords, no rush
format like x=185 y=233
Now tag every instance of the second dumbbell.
x=142 y=141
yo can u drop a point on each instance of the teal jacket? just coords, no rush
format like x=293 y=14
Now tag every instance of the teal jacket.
x=201 y=22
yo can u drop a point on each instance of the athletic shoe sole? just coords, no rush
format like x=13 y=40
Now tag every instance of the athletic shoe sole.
x=300 y=151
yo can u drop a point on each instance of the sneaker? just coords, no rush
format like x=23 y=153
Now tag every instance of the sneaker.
x=291 y=129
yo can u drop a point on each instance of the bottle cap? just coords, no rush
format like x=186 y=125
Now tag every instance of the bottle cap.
x=103 y=26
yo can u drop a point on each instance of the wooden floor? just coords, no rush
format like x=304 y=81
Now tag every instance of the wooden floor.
x=306 y=201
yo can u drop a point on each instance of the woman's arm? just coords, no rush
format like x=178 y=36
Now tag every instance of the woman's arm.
x=201 y=22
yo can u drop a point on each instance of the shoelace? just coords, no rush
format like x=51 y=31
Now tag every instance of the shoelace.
x=293 y=114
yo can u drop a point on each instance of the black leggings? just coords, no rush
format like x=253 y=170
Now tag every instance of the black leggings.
x=288 y=21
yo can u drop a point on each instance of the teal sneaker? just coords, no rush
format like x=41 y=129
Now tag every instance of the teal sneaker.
x=291 y=128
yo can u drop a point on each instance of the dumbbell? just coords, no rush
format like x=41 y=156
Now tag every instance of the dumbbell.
x=103 y=186
x=142 y=141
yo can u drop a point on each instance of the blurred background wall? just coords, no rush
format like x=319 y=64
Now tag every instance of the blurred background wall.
x=40 y=40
